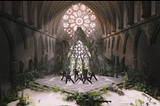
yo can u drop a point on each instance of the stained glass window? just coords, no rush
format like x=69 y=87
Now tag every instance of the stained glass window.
x=79 y=15
x=79 y=54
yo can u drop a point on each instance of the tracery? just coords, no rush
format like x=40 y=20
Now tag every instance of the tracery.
x=79 y=15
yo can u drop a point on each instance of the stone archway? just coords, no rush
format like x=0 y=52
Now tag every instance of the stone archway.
x=8 y=64
x=79 y=56
x=79 y=53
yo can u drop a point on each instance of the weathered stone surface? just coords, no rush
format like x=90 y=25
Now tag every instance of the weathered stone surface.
x=79 y=86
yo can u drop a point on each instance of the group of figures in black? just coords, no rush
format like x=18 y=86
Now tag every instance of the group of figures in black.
x=85 y=75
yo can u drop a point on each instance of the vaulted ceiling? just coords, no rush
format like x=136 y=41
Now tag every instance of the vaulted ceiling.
x=105 y=10
x=50 y=12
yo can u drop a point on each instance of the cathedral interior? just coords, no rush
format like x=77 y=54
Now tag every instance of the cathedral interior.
x=55 y=36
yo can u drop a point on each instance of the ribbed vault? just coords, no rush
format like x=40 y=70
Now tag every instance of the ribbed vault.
x=49 y=13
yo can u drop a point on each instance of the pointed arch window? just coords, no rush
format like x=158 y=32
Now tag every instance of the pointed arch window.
x=79 y=56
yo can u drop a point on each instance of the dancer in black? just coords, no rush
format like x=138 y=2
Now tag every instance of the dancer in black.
x=85 y=76
x=92 y=75
x=85 y=71
x=68 y=77
x=63 y=73
x=76 y=71
x=80 y=77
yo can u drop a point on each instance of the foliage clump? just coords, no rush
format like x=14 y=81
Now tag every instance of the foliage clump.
x=86 y=99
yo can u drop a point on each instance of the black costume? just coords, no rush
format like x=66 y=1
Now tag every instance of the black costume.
x=63 y=74
x=85 y=77
x=68 y=77
x=85 y=71
x=75 y=73
x=92 y=75
x=80 y=77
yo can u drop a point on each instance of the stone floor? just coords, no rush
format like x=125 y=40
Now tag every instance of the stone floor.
x=79 y=86
x=56 y=98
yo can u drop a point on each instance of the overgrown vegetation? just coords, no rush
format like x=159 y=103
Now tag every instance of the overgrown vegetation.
x=24 y=101
x=83 y=99
x=114 y=71
x=86 y=99
x=132 y=80
x=138 y=80
x=9 y=96
x=21 y=81
x=114 y=88
x=140 y=102
x=142 y=82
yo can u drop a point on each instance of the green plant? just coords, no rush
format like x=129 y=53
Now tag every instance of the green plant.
x=9 y=96
x=4 y=104
x=140 y=102
x=158 y=97
x=105 y=89
x=64 y=98
x=24 y=101
x=62 y=91
x=56 y=89
x=114 y=88
x=87 y=99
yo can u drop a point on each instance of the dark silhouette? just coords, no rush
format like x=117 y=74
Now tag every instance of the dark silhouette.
x=68 y=77
x=92 y=75
x=85 y=76
x=85 y=71
x=76 y=71
x=80 y=77
x=63 y=73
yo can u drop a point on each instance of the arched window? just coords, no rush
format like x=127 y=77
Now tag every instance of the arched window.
x=79 y=56
x=79 y=15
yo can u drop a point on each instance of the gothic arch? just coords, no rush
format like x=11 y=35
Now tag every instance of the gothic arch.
x=24 y=36
x=10 y=39
x=155 y=33
x=135 y=60
x=136 y=43
x=7 y=54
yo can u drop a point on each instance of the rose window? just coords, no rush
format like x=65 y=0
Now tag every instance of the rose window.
x=79 y=15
